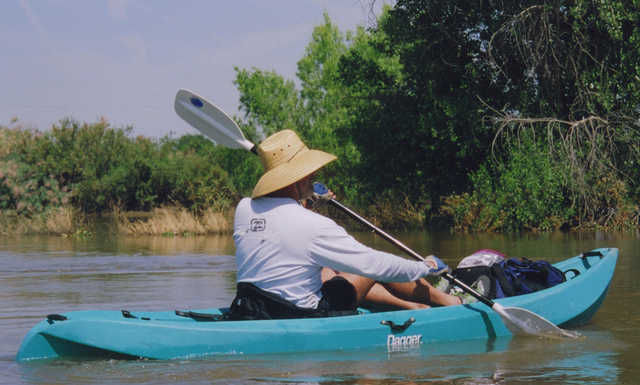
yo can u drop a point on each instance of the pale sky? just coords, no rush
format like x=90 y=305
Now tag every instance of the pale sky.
x=125 y=59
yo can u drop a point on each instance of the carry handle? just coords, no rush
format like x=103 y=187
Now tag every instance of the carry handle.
x=399 y=328
x=575 y=272
x=592 y=254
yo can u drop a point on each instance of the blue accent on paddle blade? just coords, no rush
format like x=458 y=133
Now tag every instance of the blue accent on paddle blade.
x=197 y=102
x=319 y=188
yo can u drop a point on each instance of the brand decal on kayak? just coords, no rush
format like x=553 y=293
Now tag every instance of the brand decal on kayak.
x=399 y=341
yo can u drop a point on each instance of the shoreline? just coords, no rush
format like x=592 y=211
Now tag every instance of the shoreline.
x=169 y=221
x=177 y=221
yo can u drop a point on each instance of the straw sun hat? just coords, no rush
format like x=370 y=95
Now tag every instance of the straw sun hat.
x=286 y=160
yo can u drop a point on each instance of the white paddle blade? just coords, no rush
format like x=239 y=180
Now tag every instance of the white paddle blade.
x=210 y=120
x=522 y=321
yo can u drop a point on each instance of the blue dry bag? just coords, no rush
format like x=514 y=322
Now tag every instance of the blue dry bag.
x=516 y=276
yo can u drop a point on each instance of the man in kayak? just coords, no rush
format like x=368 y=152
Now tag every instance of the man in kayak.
x=293 y=262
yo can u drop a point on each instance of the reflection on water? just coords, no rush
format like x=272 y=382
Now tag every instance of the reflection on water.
x=518 y=361
x=42 y=275
x=109 y=243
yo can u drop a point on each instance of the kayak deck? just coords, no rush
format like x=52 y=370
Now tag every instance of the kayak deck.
x=195 y=334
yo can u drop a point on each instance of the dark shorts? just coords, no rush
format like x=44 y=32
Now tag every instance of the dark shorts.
x=253 y=303
x=338 y=294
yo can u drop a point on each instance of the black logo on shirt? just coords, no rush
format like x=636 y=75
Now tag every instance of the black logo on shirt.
x=258 y=224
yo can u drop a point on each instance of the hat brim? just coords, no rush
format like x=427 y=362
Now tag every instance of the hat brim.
x=300 y=166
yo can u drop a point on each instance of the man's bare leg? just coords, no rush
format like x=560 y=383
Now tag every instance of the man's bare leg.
x=379 y=295
x=409 y=295
x=421 y=290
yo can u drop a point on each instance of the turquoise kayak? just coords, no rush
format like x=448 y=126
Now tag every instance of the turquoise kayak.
x=196 y=334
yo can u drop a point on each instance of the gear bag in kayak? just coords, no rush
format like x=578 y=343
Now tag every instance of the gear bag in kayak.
x=516 y=276
x=507 y=276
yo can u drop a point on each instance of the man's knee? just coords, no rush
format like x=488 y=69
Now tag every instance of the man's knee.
x=361 y=284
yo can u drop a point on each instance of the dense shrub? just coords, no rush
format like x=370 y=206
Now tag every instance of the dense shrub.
x=96 y=167
x=243 y=168
x=26 y=185
x=525 y=191
x=192 y=181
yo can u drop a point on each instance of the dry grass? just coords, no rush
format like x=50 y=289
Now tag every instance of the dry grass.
x=170 y=221
x=166 y=221
x=59 y=220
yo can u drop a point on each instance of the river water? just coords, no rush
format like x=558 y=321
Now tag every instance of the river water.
x=45 y=274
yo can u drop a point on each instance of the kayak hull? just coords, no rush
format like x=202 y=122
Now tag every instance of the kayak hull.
x=166 y=335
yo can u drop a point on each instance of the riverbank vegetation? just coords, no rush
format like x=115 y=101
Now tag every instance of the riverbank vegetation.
x=476 y=116
x=69 y=176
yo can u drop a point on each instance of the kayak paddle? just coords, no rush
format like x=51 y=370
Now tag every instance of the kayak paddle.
x=216 y=125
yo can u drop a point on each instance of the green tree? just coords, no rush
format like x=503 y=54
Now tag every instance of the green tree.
x=476 y=74
x=421 y=131
x=440 y=89
x=269 y=101
x=575 y=67
x=315 y=111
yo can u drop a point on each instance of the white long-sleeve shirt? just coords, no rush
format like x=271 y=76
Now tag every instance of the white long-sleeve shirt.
x=282 y=247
